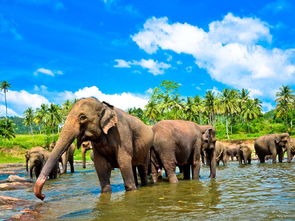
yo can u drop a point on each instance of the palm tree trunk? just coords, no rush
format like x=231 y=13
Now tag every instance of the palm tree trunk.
x=226 y=125
x=5 y=102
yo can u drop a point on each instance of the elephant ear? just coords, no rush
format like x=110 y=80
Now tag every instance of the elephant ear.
x=207 y=136
x=109 y=118
x=277 y=139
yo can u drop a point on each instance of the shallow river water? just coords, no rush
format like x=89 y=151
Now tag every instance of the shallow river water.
x=252 y=192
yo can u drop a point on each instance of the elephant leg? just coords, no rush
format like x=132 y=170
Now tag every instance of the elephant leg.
x=281 y=156
x=261 y=158
x=135 y=175
x=169 y=166
x=154 y=173
x=103 y=170
x=64 y=161
x=142 y=170
x=71 y=161
x=274 y=157
x=186 y=172
x=125 y=164
x=249 y=161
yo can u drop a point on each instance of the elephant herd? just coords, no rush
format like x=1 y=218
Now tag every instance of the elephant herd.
x=120 y=140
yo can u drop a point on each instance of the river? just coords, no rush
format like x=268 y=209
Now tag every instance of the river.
x=251 y=192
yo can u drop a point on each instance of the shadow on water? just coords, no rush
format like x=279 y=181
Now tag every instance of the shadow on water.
x=247 y=192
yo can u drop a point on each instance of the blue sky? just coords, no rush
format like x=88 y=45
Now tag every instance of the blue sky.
x=116 y=50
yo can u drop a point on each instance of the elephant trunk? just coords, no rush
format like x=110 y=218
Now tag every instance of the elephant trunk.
x=32 y=166
x=67 y=136
x=27 y=165
x=289 y=157
x=213 y=164
x=84 y=157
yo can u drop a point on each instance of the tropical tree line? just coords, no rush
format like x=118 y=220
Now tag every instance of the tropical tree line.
x=48 y=119
x=227 y=110
x=230 y=111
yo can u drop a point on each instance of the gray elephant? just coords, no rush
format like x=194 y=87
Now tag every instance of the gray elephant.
x=119 y=141
x=179 y=143
x=244 y=154
x=36 y=159
x=232 y=151
x=67 y=156
x=86 y=146
x=221 y=155
x=273 y=144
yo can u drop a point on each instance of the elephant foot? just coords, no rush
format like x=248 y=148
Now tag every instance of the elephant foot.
x=173 y=179
x=130 y=188
x=106 y=189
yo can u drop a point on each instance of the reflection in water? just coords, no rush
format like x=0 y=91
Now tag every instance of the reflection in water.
x=250 y=192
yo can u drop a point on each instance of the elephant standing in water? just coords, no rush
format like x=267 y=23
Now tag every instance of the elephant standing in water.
x=232 y=151
x=244 y=154
x=86 y=146
x=119 y=141
x=67 y=156
x=221 y=155
x=179 y=143
x=36 y=159
x=273 y=144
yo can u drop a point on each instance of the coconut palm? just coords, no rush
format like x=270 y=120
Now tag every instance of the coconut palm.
x=4 y=85
x=210 y=104
x=29 y=118
x=40 y=116
x=229 y=105
x=7 y=128
x=54 y=117
x=250 y=110
x=285 y=99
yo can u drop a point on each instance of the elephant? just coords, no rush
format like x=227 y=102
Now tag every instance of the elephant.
x=36 y=159
x=67 y=156
x=273 y=144
x=179 y=143
x=86 y=146
x=292 y=148
x=221 y=155
x=232 y=151
x=244 y=154
x=119 y=140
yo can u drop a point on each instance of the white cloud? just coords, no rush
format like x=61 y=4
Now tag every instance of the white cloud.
x=10 y=112
x=124 y=100
x=47 y=72
x=151 y=65
x=231 y=51
x=19 y=101
x=122 y=63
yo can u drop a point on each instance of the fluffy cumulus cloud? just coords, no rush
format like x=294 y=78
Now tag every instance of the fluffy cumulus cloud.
x=231 y=51
x=18 y=101
x=10 y=112
x=48 y=72
x=124 y=100
x=152 y=66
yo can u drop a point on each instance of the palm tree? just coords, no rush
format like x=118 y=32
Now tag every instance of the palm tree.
x=7 y=128
x=29 y=118
x=210 y=106
x=151 y=110
x=285 y=99
x=229 y=105
x=66 y=107
x=251 y=110
x=40 y=116
x=4 y=85
x=54 y=117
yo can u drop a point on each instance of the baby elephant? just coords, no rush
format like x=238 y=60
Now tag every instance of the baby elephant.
x=36 y=159
x=244 y=154
x=86 y=145
x=66 y=157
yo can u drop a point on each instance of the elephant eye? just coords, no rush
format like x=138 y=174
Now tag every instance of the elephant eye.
x=82 y=118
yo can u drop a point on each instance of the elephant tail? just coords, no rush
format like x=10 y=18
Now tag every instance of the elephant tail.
x=154 y=160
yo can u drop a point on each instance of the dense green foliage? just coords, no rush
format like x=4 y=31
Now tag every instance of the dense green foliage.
x=230 y=111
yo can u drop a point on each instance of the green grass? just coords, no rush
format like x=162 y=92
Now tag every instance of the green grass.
x=12 y=151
